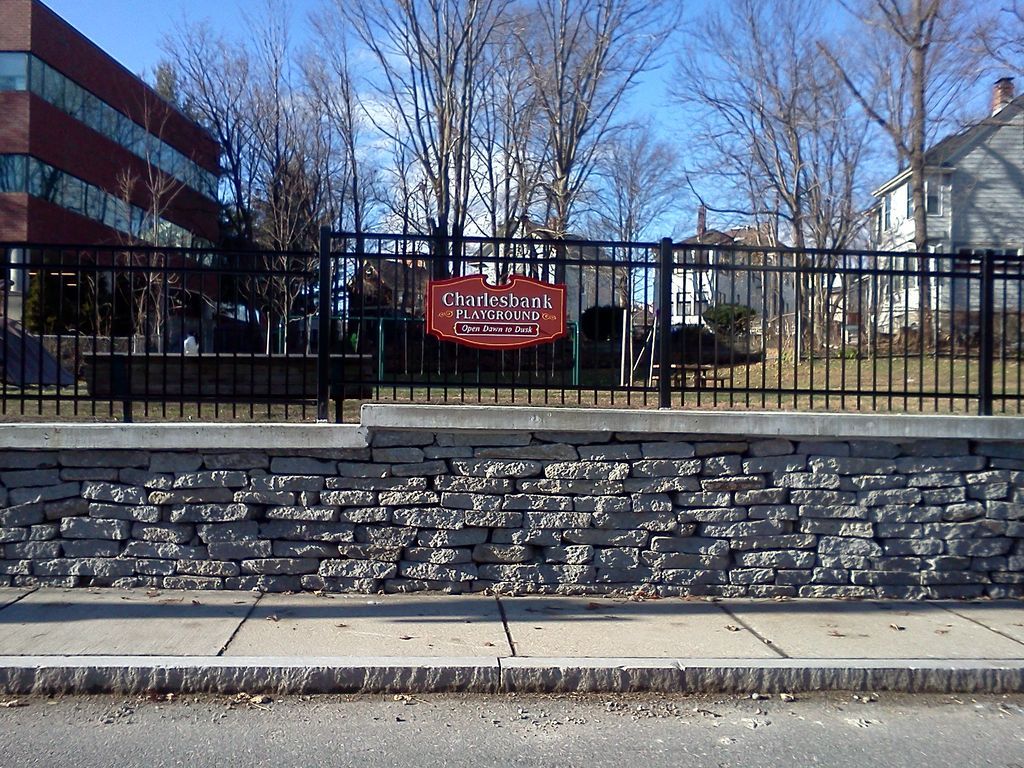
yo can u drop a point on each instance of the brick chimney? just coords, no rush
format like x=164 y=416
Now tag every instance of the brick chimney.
x=702 y=220
x=1002 y=94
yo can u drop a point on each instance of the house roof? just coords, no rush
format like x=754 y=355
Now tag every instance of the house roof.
x=940 y=155
x=737 y=236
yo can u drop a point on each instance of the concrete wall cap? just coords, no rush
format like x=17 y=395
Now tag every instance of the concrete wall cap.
x=468 y=418
x=171 y=437
x=692 y=423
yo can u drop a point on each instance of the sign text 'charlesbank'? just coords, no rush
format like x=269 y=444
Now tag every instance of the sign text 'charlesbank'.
x=519 y=313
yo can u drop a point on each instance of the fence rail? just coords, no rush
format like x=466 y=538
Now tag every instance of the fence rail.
x=105 y=333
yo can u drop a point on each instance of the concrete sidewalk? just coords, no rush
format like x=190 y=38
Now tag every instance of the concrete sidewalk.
x=69 y=641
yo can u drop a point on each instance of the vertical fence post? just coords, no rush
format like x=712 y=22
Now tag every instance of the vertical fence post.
x=439 y=266
x=664 y=320
x=323 y=341
x=986 y=351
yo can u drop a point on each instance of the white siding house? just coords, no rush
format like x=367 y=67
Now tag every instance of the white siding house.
x=712 y=269
x=974 y=192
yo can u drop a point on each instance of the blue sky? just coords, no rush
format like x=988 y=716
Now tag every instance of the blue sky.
x=131 y=30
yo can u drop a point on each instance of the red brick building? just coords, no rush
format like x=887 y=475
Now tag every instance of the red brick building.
x=89 y=154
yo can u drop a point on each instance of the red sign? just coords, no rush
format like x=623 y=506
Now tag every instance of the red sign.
x=520 y=313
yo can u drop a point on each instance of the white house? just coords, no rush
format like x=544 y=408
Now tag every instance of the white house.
x=718 y=267
x=974 y=198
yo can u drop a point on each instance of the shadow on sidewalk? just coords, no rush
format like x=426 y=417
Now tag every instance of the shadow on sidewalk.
x=48 y=606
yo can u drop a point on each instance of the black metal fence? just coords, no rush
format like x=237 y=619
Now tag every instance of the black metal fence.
x=169 y=334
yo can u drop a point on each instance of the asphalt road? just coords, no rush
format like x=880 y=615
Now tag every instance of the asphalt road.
x=632 y=731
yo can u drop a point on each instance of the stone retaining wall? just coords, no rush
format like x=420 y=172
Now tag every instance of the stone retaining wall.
x=527 y=511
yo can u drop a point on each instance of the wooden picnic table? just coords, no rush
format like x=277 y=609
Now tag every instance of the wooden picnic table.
x=695 y=375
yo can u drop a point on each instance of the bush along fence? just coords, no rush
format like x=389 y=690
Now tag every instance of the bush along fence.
x=529 y=510
x=171 y=334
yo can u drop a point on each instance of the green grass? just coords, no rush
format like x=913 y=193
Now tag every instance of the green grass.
x=871 y=386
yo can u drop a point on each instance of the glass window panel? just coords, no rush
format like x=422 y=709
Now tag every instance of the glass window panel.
x=92 y=111
x=111 y=123
x=110 y=211
x=44 y=181
x=53 y=87
x=95 y=203
x=107 y=122
x=138 y=143
x=35 y=75
x=72 y=194
x=121 y=216
x=154 y=149
x=13 y=71
x=138 y=222
x=13 y=173
x=933 y=202
x=74 y=100
x=71 y=98
x=124 y=130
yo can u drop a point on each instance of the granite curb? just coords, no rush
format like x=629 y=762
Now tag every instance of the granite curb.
x=134 y=675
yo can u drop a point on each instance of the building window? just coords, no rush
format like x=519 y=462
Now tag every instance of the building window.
x=887 y=212
x=13 y=173
x=24 y=174
x=53 y=88
x=932 y=197
x=19 y=72
x=43 y=181
x=910 y=202
x=13 y=71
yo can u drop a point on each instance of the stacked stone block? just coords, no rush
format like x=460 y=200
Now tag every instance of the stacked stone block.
x=527 y=512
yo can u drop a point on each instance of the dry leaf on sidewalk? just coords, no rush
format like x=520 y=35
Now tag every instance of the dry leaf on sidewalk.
x=259 y=701
x=13 y=703
x=897 y=627
x=732 y=628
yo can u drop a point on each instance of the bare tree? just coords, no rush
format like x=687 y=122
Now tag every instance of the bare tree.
x=510 y=148
x=277 y=150
x=1002 y=37
x=328 y=74
x=292 y=176
x=214 y=83
x=290 y=131
x=640 y=179
x=914 y=62
x=430 y=53
x=781 y=134
x=584 y=56
x=146 y=194
x=910 y=66
x=776 y=127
